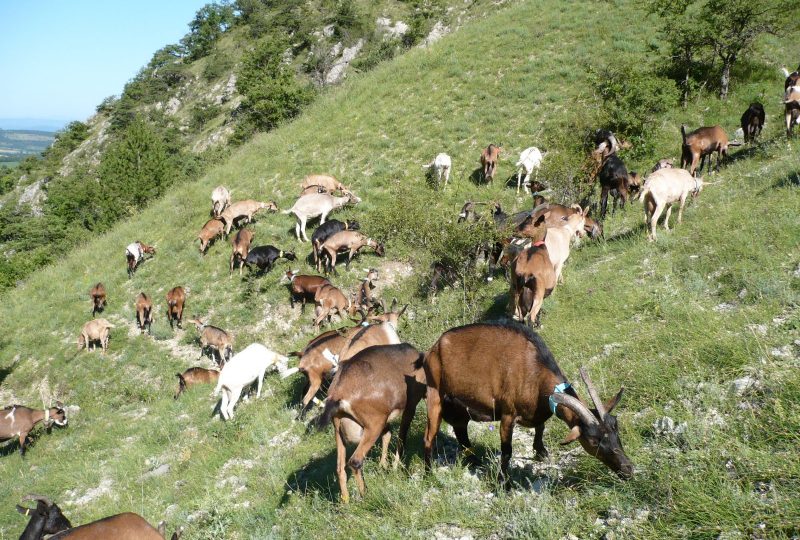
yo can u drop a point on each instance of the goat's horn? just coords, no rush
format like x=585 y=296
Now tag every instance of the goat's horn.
x=598 y=404
x=32 y=497
x=576 y=406
x=712 y=183
x=402 y=311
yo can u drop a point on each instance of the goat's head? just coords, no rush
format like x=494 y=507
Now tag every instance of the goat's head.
x=391 y=316
x=271 y=205
x=351 y=197
x=663 y=164
x=289 y=255
x=198 y=323
x=593 y=228
x=290 y=275
x=467 y=211
x=46 y=514
x=533 y=227
x=372 y=274
x=596 y=429
x=352 y=225
x=58 y=416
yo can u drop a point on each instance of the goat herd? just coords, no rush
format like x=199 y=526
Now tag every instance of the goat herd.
x=500 y=371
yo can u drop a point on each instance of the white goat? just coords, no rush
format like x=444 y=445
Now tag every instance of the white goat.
x=220 y=199
x=530 y=159
x=441 y=165
x=243 y=369
x=559 y=239
x=317 y=204
x=664 y=188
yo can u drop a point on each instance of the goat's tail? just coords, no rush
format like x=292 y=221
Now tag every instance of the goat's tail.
x=644 y=191
x=683 y=133
x=785 y=72
x=289 y=211
x=218 y=389
x=331 y=406
x=420 y=361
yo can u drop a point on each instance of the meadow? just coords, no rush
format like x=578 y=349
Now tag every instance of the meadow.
x=680 y=323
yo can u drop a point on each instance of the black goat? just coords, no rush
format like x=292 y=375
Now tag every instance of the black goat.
x=753 y=121
x=264 y=257
x=328 y=229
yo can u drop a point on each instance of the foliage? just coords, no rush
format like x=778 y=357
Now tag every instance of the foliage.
x=202 y=113
x=270 y=89
x=424 y=14
x=376 y=51
x=631 y=97
x=218 y=64
x=207 y=26
x=347 y=19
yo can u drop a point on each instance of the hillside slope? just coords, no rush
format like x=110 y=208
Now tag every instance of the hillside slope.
x=676 y=322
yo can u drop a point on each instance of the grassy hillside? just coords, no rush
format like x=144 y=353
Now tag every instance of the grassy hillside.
x=676 y=322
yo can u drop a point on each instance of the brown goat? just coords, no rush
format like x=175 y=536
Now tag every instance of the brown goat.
x=701 y=144
x=329 y=301
x=144 y=312
x=193 y=376
x=215 y=340
x=504 y=371
x=533 y=278
x=489 y=157
x=304 y=287
x=370 y=390
x=244 y=211
x=126 y=526
x=328 y=183
x=241 y=247
x=364 y=298
x=176 y=298
x=346 y=241
x=213 y=229
x=326 y=351
x=17 y=421
x=98 y=295
x=96 y=330
x=791 y=101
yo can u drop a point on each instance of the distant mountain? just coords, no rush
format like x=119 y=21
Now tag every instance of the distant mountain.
x=16 y=144
x=36 y=124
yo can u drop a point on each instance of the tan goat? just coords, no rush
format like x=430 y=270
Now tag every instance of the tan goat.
x=241 y=247
x=244 y=211
x=95 y=330
x=347 y=242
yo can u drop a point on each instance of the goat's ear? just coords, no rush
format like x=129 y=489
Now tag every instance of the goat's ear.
x=572 y=436
x=402 y=311
x=613 y=402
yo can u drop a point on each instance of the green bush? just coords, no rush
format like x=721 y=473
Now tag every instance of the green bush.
x=202 y=113
x=424 y=15
x=217 y=65
x=377 y=50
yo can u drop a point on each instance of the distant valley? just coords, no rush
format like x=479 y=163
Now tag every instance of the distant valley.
x=17 y=144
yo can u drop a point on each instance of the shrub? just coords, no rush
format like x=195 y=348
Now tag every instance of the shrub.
x=424 y=14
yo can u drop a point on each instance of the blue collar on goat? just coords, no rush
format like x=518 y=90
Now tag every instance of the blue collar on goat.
x=559 y=389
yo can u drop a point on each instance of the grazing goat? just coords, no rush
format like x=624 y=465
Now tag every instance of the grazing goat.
x=220 y=200
x=317 y=204
x=193 y=376
x=533 y=278
x=243 y=369
x=701 y=144
x=663 y=164
x=328 y=229
x=241 y=246
x=369 y=391
x=324 y=353
x=213 y=229
x=214 y=340
x=176 y=298
x=791 y=102
x=349 y=242
x=264 y=257
x=529 y=160
x=96 y=330
x=489 y=158
x=614 y=176
x=244 y=211
x=98 y=296
x=559 y=239
x=47 y=518
x=440 y=168
x=144 y=312
x=792 y=79
x=753 y=122
x=303 y=287
x=504 y=371
x=134 y=254
x=664 y=188
x=329 y=301
x=17 y=421
x=364 y=298
x=327 y=182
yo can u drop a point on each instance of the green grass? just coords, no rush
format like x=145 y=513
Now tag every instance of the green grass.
x=675 y=322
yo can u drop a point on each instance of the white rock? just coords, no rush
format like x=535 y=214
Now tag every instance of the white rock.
x=438 y=31
x=745 y=385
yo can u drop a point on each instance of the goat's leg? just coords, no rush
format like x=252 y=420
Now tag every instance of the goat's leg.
x=341 y=459
x=260 y=384
x=506 y=435
x=235 y=395
x=297 y=229
x=604 y=202
x=680 y=208
x=314 y=383
x=372 y=430
x=22 y=438
x=434 y=402
x=666 y=217
x=223 y=406
x=538 y=442
x=385 y=438
x=350 y=258
x=654 y=220
x=405 y=424
x=322 y=217
x=536 y=305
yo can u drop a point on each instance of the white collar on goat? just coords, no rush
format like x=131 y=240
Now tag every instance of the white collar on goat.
x=280 y=253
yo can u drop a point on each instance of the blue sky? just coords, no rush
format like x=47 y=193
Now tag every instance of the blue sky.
x=60 y=58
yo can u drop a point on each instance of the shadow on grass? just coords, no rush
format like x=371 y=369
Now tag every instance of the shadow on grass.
x=790 y=180
x=476 y=177
x=634 y=232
